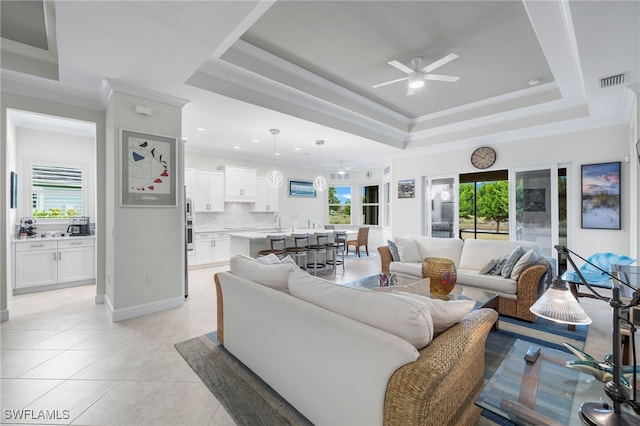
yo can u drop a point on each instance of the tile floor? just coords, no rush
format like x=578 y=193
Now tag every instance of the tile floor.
x=61 y=353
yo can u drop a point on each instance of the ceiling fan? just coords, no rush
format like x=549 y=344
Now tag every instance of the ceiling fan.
x=418 y=75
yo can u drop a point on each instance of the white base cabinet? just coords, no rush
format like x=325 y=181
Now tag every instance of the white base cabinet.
x=45 y=263
x=211 y=247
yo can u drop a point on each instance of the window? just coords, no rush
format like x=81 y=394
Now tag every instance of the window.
x=370 y=204
x=340 y=205
x=484 y=205
x=56 y=191
x=387 y=203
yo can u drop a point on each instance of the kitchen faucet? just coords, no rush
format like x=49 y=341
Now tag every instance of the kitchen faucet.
x=279 y=226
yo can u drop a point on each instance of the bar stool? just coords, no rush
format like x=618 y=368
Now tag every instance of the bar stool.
x=319 y=248
x=338 y=245
x=299 y=249
x=278 y=246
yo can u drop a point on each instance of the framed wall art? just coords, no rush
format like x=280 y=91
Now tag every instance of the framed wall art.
x=301 y=188
x=601 y=196
x=14 y=191
x=148 y=164
x=407 y=188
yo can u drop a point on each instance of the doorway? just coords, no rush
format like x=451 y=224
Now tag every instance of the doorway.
x=54 y=159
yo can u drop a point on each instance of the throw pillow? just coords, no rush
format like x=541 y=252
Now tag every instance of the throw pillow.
x=274 y=276
x=496 y=270
x=408 y=250
x=393 y=248
x=527 y=259
x=444 y=313
x=288 y=259
x=513 y=258
x=488 y=267
x=269 y=259
x=406 y=318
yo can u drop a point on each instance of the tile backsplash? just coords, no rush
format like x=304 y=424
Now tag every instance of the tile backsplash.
x=235 y=215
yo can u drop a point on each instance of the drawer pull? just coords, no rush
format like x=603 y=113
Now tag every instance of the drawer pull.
x=36 y=245
x=77 y=243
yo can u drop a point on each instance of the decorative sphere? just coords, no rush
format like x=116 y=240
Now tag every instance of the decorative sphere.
x=319 y=183
x=275 y=179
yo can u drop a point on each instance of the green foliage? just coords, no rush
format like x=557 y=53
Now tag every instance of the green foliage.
x=467 y=200
x=493 y=201
x=56 y=213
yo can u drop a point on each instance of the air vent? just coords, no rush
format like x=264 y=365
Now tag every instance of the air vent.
x=613 y=80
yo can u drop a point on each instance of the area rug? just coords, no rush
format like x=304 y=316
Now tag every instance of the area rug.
x=246 y=397
x=250 y=401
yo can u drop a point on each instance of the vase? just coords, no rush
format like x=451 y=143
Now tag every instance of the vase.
x=441 y=273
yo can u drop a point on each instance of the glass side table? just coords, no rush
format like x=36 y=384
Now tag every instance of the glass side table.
x=543 y=393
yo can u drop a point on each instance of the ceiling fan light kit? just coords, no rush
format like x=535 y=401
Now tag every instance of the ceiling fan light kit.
x=417 y=76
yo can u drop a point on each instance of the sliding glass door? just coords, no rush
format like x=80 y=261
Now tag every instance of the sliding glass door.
x=441 y=206
x=533 y=203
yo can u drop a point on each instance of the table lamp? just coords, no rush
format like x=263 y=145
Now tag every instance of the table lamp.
x=559 y=305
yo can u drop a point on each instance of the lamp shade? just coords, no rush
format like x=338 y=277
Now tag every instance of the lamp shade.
x=558 y=304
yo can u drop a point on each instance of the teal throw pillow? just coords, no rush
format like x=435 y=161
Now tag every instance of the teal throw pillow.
x=496 y=270
x=488 y=267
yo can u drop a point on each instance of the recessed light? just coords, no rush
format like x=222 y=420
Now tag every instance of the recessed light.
x=277 y=153
x=297 y=148
x=255 y=140
x=534 y=81
x=201 y=129
x=236 y=147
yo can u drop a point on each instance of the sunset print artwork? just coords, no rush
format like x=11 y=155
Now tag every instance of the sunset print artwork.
x=601 y=196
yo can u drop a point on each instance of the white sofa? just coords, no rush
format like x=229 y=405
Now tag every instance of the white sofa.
x=516 y=295
x=344 y=356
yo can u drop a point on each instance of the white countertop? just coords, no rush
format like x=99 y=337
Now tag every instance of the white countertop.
x=262 y=235
x=40 y=238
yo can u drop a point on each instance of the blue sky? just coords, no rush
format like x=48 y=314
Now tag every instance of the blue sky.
x=343 y=193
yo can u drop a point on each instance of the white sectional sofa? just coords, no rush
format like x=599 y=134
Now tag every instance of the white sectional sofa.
x=516 y=292
x=345 y=356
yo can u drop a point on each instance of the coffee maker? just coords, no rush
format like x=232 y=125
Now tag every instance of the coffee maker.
x=79 y=226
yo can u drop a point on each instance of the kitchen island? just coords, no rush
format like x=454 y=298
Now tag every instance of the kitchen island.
x=250 y=243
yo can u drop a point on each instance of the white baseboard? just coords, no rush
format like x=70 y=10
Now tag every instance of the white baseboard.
x=139 y=310
x=4 y=315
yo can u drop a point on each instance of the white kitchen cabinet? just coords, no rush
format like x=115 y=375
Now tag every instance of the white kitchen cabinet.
x=35 y=263
x=211 y=247
x=239 y=184
x=75 y=260
x=267 y=198
x=190 y=181
x=209 y=191
x=51 y=262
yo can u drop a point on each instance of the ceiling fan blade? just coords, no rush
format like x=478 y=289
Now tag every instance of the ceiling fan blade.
x=440 y=62
x=386 y=83
x=402 y=67
x=438 y=77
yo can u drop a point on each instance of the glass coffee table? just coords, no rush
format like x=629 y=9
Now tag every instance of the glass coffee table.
x=483 y=299
x=541 y=393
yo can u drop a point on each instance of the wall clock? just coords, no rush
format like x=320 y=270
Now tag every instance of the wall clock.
x=483 y=157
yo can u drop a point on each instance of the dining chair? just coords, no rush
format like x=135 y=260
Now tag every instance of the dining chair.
x=361 y=240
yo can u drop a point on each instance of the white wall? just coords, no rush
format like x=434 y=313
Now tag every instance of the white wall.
x=143 y=241
x=586 y=147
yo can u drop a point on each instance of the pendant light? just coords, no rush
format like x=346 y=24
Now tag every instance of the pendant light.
x=274 y=177
x=319 y=183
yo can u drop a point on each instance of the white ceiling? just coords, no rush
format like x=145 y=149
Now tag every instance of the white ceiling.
x=307 y=67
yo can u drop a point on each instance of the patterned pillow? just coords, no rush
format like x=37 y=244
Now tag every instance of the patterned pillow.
x=393 y=248
x=488 y=267
x=513 y=258
x=496 y=270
